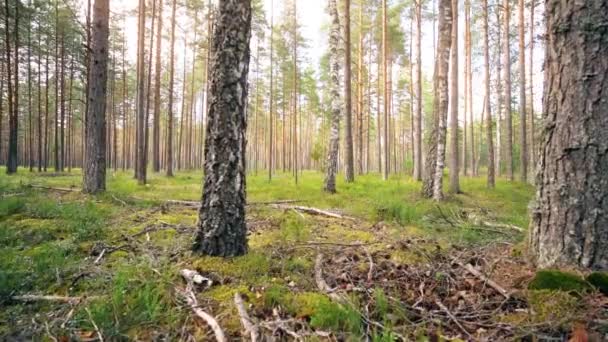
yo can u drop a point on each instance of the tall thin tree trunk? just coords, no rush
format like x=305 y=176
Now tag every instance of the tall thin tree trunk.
x=271 y=99
x=531 y=77
x=336 y=104
x=141 y=96
x=417 y=85
x=169 y=147
x=506 y=60
x=29 y=90
x=295 y=93
x=95 y=163
x=469 y=90
x=8 y=71
x=157 y=85
x=487 y=107
x=386 y=90
x=454 y=158
x=443 y=61
x=222 y=230
x=349 y=157
x=569 y=222
x=39 y=139
x=13 y=120
x=523 y=148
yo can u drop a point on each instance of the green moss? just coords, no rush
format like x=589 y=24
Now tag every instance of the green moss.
x=336 y=317
x=550 y=305
x=599 y=280
x=558 y=280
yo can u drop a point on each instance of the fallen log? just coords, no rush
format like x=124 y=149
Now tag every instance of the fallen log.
x=250 y=327
x=54 y=188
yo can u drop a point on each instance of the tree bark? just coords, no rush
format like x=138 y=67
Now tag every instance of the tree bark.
x=95 y=163
x=417 y=85
x=443 y=60
x=506 y=68
x=169 y=147
x=157 y=85
x=271 y=96
x=349 y=158
x=454 y=157
x=141 y=95
x=487 y=107
x=222 y=229
x=523 y=148
x=336 y=105
x=386 y=170
x=13 y=119
x=570 y=217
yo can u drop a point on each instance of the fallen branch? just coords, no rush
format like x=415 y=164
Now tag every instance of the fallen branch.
x=191 y=300
x=321 y=284
x=500 y=225
x=469 y=268
x=194 y=204
x=51 y=298
x=370 y=273
x=195 y=278
x=246 y=321
x=447 y=312
x=94 y=325
x=312 y=211
x=273 y=202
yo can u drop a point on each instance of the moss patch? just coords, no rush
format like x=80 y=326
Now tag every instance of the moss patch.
x=558 y=280
x=600 y=281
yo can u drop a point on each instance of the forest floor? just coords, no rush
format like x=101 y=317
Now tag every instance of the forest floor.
x=385 y=264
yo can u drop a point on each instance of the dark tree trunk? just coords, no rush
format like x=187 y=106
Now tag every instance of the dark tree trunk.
x=8 y=70
x=222 y=230
x=141 y=96
x=95 y=133
x=271 y=97
x=570 y=217
x=13 y=118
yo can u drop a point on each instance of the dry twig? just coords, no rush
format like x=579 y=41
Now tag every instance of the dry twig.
x=246 y=321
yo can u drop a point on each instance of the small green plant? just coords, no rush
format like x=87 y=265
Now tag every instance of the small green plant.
x=293 y=228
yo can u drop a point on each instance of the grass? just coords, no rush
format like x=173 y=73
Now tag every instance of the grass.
x=48 y=241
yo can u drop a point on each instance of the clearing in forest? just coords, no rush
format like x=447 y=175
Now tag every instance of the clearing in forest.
x=374 y=260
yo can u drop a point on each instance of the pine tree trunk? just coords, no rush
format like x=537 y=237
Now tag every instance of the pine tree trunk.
x=454 y=158
x=95 y=163
x=169 y=147
x=29 y=91
x=348 y=126
x=141 y=96
x=157 y=85
x=271 y=96
x=469 y=90
x=570 y=217
x=336 y=105
x=506 y=68
x=8 y=71
x=386 y=93
x=417 y=85
x=295 y=93
x=532 y=152
x=13 y=119
x=222 y=230
x=487 y=107
x=523 y=148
